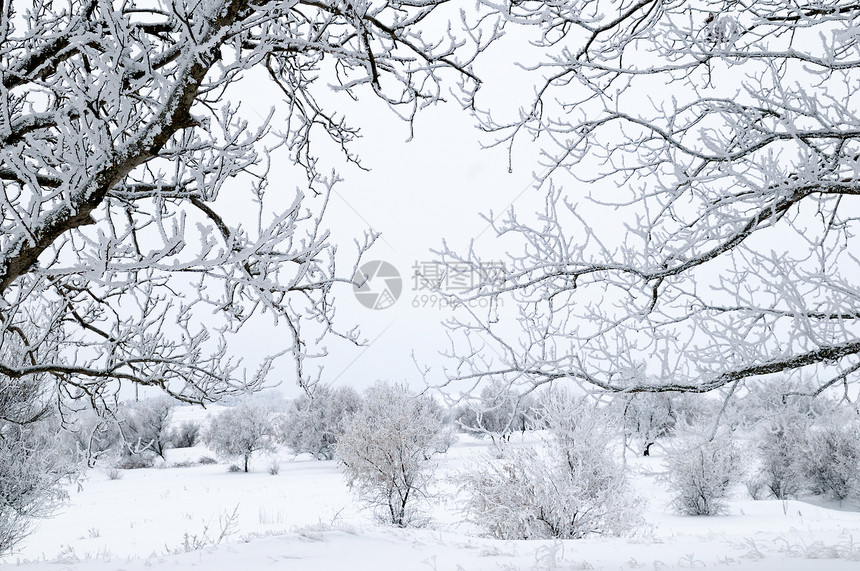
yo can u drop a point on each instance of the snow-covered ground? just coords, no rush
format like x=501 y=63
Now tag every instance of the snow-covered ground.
x=305 y=518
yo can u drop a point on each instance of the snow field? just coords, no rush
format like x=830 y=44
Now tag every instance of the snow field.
x=305 y=518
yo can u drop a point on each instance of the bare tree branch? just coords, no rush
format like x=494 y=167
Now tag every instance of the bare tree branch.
x=700 y=227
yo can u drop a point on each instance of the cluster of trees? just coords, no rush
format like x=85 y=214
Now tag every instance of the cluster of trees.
x=309 y=424
x=133 y=434
x=782 y=439
x=798 y=453
x=568 y=482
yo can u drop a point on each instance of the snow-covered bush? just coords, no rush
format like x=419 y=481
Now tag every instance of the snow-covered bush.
x=240 y=431
x=387 y=450
x=782 y=443
x=137 y=461
x=34 y=457
x=185 y=435
x=31 y=470
x=573 y=489
x=312 y=423
x=34 y=450
x=831 y=459
x=701 y=476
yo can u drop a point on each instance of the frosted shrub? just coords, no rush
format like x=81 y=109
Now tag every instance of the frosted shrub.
x=387 y=450
x=701 y=477
x=782 y=445
x=145 y=459
x=185 y=435
x=573 y=490
x=312 y=423
x=34 y=450
x=32 y=468
x=527 y=496
x=832 y=460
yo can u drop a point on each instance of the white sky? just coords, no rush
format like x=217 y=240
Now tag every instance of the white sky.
x=417 y=194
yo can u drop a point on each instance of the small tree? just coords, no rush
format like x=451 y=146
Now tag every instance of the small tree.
x=700 y=477
x=314 y=422
x=96 y=434
x=147 y=425
x=241 y=431
x=387 y=450
x=648 y=416
x=498 y=413
x=573 y=490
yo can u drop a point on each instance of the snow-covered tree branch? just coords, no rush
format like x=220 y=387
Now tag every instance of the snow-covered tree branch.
x=124 y=151
x=700 y=162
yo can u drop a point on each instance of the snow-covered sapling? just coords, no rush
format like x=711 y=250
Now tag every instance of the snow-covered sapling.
x=387 y=450
x=702 y=475
x=241 y=431
x=647 y=417
x=783 y=440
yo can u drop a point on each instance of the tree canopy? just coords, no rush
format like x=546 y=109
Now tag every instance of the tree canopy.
x=700 y=161
x=120 y=129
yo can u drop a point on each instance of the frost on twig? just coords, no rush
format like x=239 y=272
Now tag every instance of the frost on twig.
x=124 y=152
x=700 y=223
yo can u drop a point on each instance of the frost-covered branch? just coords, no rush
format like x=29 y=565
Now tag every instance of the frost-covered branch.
x=124 y=151
x=700 y=165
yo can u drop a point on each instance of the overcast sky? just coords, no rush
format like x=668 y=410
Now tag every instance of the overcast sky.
x=416 y=194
